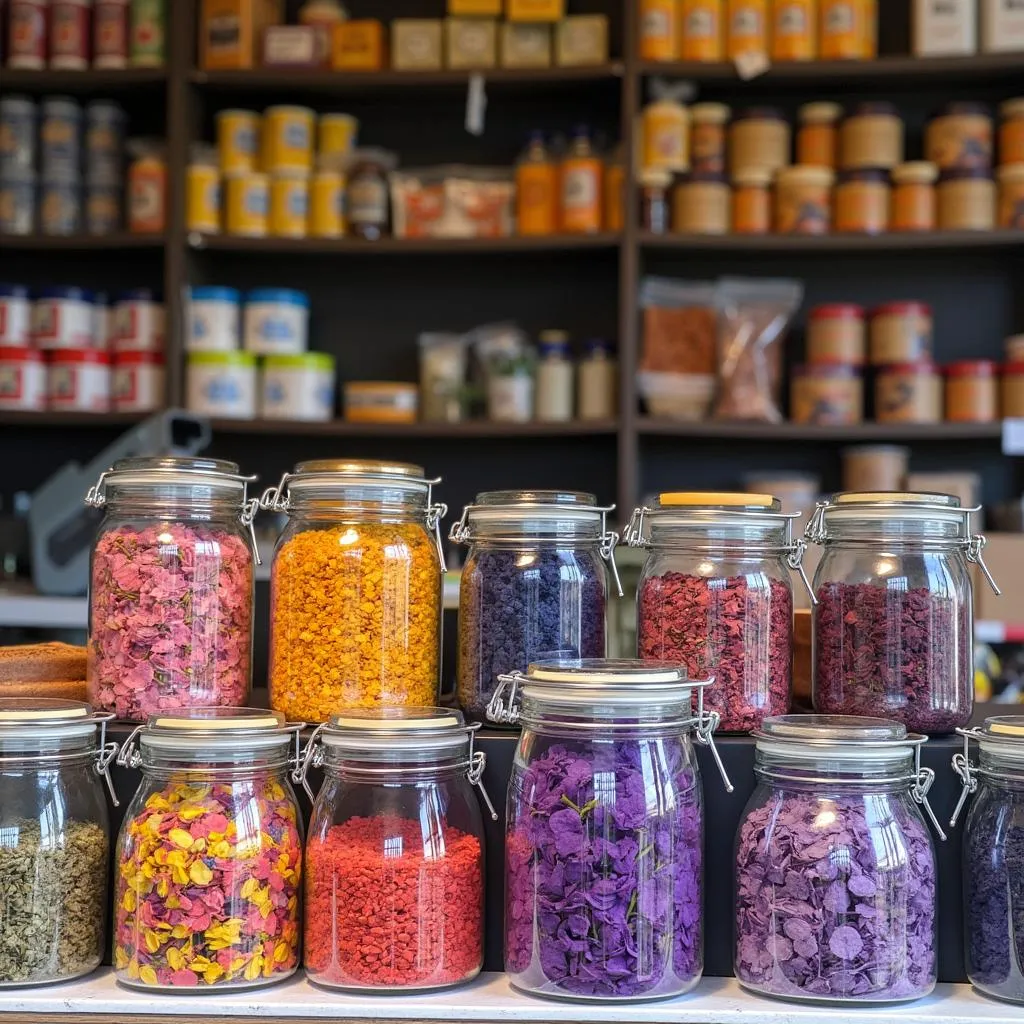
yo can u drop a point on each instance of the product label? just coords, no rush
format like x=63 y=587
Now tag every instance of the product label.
x=66 y=35
x=368 y=201
x=145 y=200
x=579 y=188
x=147 y=29
x=792 y=20
x=656 y=24
x=222 y=390
x=296 y=203
x=746 y=22
x=224 y=35
x=60 y=140
x=255 y=201
x=124 y=387
x=110 y=31
x=295 y=135
x=840 y=19
x=63 y=383
x=28 y=28
x=243 y=139
x=275 y=330
x=700 y=25
x=11 y=382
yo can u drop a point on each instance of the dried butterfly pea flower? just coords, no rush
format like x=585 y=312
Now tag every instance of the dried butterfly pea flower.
x=903 y=654
x=835 y=898
x=521 y=605
x=994 y=892
x=53 y=900
x=604 y=870
x=738 y=629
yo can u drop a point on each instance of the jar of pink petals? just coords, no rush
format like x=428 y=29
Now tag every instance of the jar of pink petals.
x=171 y=587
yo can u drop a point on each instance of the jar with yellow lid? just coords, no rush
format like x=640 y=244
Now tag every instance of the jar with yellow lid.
x=746 y=29
x=803 y=200
x=202 y=191
x=752 y=201
x=666 y=135
x=703 y=30
x=972 y=391
x=913 y=196
x=862 y=201
x=759 y=137
x=327 y=204
x=247 y=204
x=355 y=585
x=1011 y=131
x=1011 y=195
x=700 y=204
x=238 y=137
x=794 y=29
x=960 y=136
x=817 y=139
x=872 y=136
x=849 y=30
x=707 y=137
x=1012 y=391
x=967 y=199
x=659 y=30
x=908 y=393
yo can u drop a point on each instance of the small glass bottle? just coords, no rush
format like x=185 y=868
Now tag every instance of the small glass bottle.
x=555 y=378
x=367 y=194
x=582 y=177
x=817 y=140
x=536 y=189
x=654 y=206
x=598 y=382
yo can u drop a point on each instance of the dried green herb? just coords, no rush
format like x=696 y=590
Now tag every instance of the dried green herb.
x=53 y=895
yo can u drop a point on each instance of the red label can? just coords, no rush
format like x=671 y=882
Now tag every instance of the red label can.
x=110 y=34
x=27 y=34
x=69 y=34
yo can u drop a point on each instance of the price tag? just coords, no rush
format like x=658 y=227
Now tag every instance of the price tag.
x=476 y=104
x=1013 y=437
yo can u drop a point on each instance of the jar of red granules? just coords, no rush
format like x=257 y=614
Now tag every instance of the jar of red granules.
x=893 y=612
x=715 y=595
x=395 y=857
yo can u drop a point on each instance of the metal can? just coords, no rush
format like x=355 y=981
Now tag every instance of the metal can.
x=62 y=318
x=288 y=139
x=60 y=205
x=26 y=37
x=17 y=201
x=15 y=315
x=238 y=134
x=289 y=205
x=69 y=34
x=146 y=24
x=22 y=379
x=247 y=203
x=103 y=209
x=212 y=319
x=110 y=34
x=78 y=380
x=60 y=136
x=138 y=382
x=17 y=133
x=139 y=324
x=104 y=142
x=336 y=135
x=327 y=205
x=202 y=198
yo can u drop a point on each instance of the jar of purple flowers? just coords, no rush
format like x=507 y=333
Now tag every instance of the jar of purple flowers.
x=893 y=612
x=534 y=586
x=993 y=857
x=835 y=867
x=605 y=829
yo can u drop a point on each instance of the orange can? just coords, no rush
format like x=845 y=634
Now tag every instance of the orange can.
x=659 y=30
x=747 y=31
x=794 y=29
x=703 y=30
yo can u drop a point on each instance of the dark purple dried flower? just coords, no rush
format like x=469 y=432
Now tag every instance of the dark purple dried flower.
x=603 y=869
x=901 y=654
x=835 y=897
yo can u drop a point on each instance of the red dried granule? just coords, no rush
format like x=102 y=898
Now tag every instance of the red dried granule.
x=902 y=654
x=737 y=628
x=382 y=913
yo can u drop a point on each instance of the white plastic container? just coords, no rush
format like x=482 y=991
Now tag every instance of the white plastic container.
x=213 y=320
x=62 y=318
x=677 y=396
x=78 y=380
x=221 y=384
x=138 y=322
x=102 y=322
x=15 y=316
x=945 y=28
x=22 y=379
x=138 y=382
x=299 y=387
x=556 y=378
x=276 y=322
x=1002 y=26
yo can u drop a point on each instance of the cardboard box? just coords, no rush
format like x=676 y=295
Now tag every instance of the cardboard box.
x=231 y=32
x=416 y=44
x=290 y=46
x=582 y=41
x=475 y=8
x=359 y=45
x=472 y=43
x=1004 y=556
x=525 y=45
x=535 y=10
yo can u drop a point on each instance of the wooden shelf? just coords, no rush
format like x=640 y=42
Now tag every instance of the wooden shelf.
x=80 y=243
x=903 y=240
x=335 y=82
x=467 y=430
x=842 y=72
x=774 y=432
x=407 y=246
x=80 y=82
x=71 y=419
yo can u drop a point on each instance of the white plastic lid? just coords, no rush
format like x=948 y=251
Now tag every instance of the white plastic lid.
x=800 y=739
x=396 y=729
x=1003 y=735
x=218 y=730
x=44 y=718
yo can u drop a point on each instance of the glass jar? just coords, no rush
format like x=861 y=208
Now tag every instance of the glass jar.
x=967 y=199
x=366 y=196
x=993 y=853
x=871 y=138
x=355 y=588
x=707 y=137
x=701 y=204
x=817 y=140
x=170 y=586
x=54 y=839
x=759 y=137
x=913 y=196
x=605 y=830
x=654 y=207
x=396 y=829
x=556 y=378
x=597 y=381
x=715 y=596
x=893 y=612
x=209 y=858
x=803 y=200
x=752 y=201
x=961 y=135
x=534 y=586
x=835 y=868
x=862 y=200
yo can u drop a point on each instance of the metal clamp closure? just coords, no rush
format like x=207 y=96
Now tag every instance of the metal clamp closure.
x=634 y=532
x=311 y=757
x=974 y=547
x=128 y=756
x=705 y=725
x=502 y=707
x=96 y=496
x=814 y=531
x=276 y=499
x=795 y=561
x=966 y=772
x=247 y=519
x=106 y=754
x=435 y=513
x=923 y=780
x=609 y=541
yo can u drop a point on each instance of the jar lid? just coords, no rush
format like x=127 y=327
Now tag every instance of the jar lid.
x=33 y=719
x=149 y=475
x=971 y=368
x=873 y=174
x=753 y=177
x=902 y=309
x=964 y=108
x=710 y=113
x=965 y=174
x=923 y=367
x=915 y=172
x=388 y=731
x=820 y=112
x=1002 y=735
x=875 y=108
x=523 y=513
x=837 y=311
x=214 y=733
x=655 y=177
x=805 y=174
x=1011 y=173
x=1014 y=368
x=859 y=742
x=923 y=511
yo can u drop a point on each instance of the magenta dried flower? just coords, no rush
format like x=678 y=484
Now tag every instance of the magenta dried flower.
x=738 y=629
x=170 y=619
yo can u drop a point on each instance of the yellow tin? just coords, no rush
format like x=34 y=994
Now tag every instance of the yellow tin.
x=327 y=205
x=202 y=198
x=337 y=134
x=289 y=205
x=288 y=139
x=238 y=136
x=246 y=205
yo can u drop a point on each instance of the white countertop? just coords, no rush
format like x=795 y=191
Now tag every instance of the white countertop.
x=490 y=998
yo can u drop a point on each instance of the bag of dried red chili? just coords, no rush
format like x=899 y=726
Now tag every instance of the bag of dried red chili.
x=894 y=608
x=715 y=595
x=395 y=858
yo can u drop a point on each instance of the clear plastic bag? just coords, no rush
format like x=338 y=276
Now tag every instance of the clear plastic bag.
x=753 y=320
x=679 y=330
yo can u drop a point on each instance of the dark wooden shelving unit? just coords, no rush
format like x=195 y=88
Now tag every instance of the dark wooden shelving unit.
x=112 y=82
x=772 y=433
x=81 y=243
x=950 y=241
x=406 y=246
x=465 y=430
x=69 y=419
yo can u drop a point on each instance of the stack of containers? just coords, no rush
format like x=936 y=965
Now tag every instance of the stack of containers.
x=57 y=348
x=829 y=388
x=252 y=359
x=267 y=178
